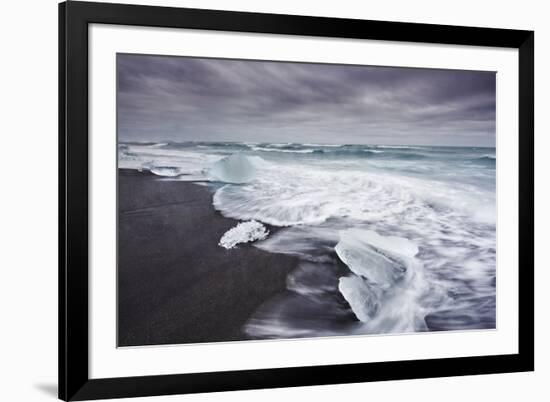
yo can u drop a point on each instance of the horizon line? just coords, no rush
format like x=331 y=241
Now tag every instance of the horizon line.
x=297 y=143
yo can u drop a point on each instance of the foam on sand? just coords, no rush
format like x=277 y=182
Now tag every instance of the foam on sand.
x=244 y=232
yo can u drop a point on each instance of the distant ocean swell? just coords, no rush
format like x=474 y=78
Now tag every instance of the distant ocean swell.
x=392 y=239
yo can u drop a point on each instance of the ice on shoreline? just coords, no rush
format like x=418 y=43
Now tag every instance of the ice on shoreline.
x=244 y=232
x=381 y=259
x=385 y=285
x=235 y=168
x=363 y=298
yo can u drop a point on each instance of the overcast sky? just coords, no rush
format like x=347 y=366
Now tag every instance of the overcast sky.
x=196 y=99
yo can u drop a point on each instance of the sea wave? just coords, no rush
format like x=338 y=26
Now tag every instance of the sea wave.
x=290 y=151
x=399 y=147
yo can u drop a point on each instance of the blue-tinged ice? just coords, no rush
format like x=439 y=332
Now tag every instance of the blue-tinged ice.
x=236 y=169
x=381 y=259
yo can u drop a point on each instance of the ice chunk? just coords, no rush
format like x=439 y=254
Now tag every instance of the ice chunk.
x=387 y=281
x=381 y=259
x=236 y=168
x=169 y=171
x=363 y=298
x=392 y=244
x=244 y=232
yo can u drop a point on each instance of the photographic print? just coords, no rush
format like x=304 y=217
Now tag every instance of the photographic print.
x=273 y=200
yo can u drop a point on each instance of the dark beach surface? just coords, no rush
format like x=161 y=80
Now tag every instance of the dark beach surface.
x=175 y=284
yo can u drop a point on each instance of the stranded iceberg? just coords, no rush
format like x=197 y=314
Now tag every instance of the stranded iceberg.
x=236 y=168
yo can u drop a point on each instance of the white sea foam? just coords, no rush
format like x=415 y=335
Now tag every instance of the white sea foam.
x=288 y=151
x=244 y=232
x=399 y=147
x=166 y=161
x=286 y=195
x=284 y=192
x=323 y=145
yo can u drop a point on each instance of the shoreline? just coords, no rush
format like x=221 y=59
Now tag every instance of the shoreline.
x=176 y=285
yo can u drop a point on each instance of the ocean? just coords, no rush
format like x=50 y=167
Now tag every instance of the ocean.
x=391 y=239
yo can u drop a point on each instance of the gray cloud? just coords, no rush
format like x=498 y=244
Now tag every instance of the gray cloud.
x=197 y=99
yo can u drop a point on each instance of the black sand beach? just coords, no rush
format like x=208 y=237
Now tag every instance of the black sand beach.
x=175 y=284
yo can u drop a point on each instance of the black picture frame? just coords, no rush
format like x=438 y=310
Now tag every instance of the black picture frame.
x=74 y=18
